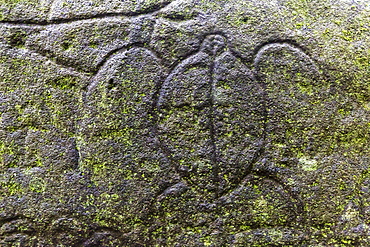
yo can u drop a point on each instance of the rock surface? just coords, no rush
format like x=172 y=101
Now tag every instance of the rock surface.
x=184 y=123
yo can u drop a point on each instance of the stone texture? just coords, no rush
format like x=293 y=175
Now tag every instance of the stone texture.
x=184 y=123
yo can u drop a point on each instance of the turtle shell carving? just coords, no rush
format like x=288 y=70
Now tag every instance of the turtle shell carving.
x=211 y=103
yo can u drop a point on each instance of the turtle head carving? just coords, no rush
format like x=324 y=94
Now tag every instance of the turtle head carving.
x=214 y=44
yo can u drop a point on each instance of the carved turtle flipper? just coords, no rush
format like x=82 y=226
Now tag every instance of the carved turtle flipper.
x=291 y=82
x=116 y=133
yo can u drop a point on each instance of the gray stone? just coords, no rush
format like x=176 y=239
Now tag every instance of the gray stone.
x=184 y=123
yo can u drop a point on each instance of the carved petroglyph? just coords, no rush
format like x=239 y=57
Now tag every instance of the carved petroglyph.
x=213 y=118
x=220 y=108
x=84 y=40
x=61 y=11
x=229 y=126
x=212 y=101
x=183 y=123
x=217 y=95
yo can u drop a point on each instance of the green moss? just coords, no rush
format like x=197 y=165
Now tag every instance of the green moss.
x=37 y=185
x=308 y=164
x=65 y=83
x=10 y=188
x=9 y=150
x=10 y=2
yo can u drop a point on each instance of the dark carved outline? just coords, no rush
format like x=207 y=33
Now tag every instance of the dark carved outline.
x=268 y=174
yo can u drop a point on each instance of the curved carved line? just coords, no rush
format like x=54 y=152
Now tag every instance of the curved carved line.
x=112 y=53
x=97 y=16
x=279 y=45
x=258 y=57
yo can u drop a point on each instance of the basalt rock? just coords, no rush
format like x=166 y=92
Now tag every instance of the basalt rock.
x=184 y=123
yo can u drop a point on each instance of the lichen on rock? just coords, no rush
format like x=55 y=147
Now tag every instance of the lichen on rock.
x=184 y=123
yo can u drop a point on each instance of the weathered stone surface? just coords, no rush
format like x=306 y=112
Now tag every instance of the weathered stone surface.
x=184 y=123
